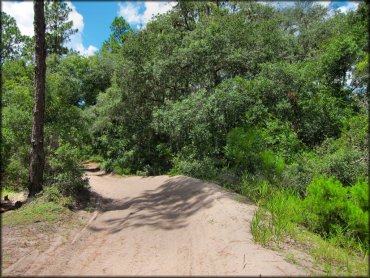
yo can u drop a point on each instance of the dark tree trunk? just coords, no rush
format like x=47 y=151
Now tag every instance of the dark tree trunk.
x=184 y=12
x=37 y=140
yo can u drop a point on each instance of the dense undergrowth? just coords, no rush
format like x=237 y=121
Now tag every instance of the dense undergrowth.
x=330 y=223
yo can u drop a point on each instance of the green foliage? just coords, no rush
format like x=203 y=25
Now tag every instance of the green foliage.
x=242 y=147
x=53 y=194
x=64 y=122
x=11 y=39
x=37 y=210
x=64 y=171
x=331 y=207
x=58 y=26
x=16 y=173
x=326 y=204
x=255 y=187
x=260 y=228
x=251 y=150
x=281 y=138
x=253 y=96
x=279 y=212
x=358 y=211
x=16 y=122
x=195 y=168
x=183 y=83
x=345 y=158
x=120 y=32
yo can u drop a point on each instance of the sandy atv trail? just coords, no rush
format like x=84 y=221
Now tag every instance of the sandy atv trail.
x=162 y=226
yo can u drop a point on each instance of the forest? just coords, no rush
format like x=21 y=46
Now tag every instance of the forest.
x=268 y=102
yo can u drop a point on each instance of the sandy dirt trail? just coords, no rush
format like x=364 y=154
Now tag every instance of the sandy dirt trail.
x=163 y=226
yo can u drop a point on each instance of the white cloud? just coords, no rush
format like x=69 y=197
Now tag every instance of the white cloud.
x=155 y=8
x=77 y=18
x=285 y=4
x=90 y=50
x=326 y=4
x=349 y=7
x=131 y=11
x=23 y=14
x=76 y=39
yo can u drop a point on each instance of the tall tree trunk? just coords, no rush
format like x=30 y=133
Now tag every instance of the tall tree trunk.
x=37 y=140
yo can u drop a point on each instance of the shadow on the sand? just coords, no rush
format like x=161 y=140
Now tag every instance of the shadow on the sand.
x=166 y=207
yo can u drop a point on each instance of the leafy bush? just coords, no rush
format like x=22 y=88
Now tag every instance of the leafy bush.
x=344 y=158
x=16 y=173
x=331 y=207
x=337 y=212
x=53 y=194
x=279 y=137
x=243 y=147
x=194 y=168
x=358 y=210
x=64 y=171
x=248 y=150
x=326 y=204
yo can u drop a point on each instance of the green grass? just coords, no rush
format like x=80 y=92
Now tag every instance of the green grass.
x=335 y=259
x=277 y=219
x=291 y=258
x=37 y=210
x=260 y=227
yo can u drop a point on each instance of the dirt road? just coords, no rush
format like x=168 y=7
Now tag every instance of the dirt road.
x=162 y=226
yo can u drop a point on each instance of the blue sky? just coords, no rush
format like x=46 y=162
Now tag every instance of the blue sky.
x=97 y=17
x=93 y=18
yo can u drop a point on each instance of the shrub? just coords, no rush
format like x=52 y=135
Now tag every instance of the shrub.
x=64 y=170
x=52 y=194
x=358 y=211
x=326 y=204
x=120 y=171
x=248 y=150
x=298 y=175
x=107 y=165
x=242 y=146
x=344 y=161
x=279 y=137
x=194 y=168
x=330 y=207
x=343 y=158
x=254 y=187
x=285 y=208
x=16 y=173
x=271 y=163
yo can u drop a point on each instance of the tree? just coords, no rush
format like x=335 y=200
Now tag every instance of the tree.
x=120 y=31
x=58 y=27
x=37 y=139
x=11 y=40
x=306 y=22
